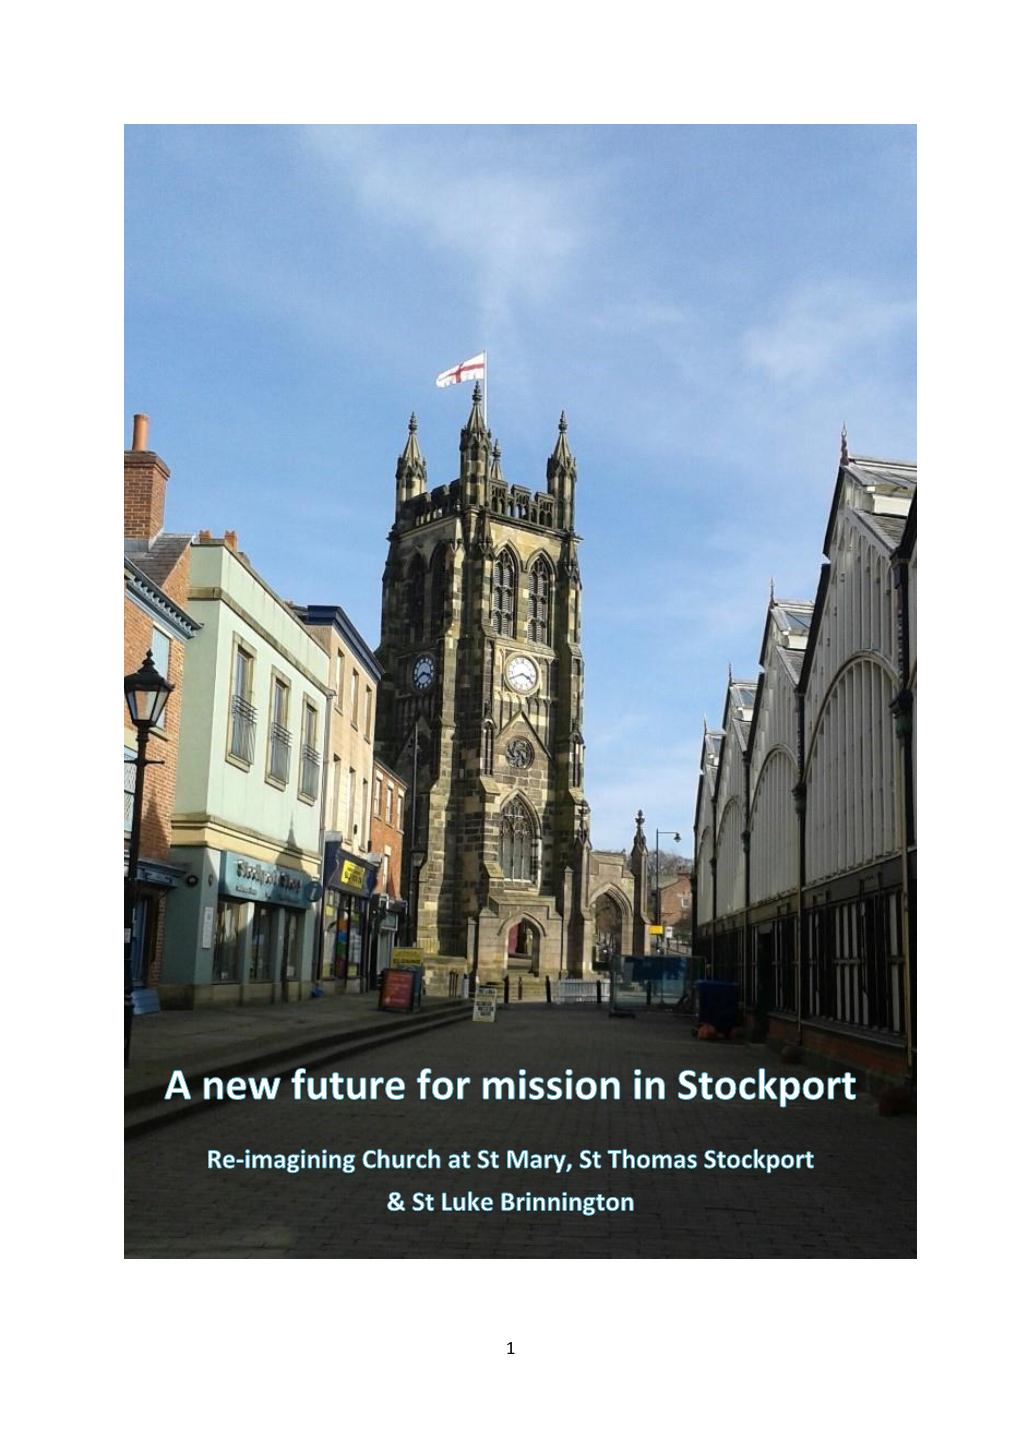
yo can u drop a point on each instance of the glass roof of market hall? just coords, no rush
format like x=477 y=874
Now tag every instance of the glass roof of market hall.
x=794 y=616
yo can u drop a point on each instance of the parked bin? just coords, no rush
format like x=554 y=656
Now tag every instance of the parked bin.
x=718 y=1004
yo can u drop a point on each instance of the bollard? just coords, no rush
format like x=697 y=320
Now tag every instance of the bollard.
x=520 y=988
x=598 y=993
x=506 y=991
x=548 y=992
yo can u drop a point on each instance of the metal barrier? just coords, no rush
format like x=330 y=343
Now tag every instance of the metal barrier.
x=565 y=993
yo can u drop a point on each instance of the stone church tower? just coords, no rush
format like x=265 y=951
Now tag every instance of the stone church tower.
x=481 y=711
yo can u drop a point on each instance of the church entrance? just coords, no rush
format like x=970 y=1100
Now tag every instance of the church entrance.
x=608 y=929
x=522 y=945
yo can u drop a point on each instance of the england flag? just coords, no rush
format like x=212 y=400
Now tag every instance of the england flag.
x=469 y=370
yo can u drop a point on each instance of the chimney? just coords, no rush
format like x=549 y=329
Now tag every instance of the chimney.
x=145 y=478
x=230 y=539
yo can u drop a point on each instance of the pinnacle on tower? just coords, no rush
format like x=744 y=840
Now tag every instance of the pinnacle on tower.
x=561 y=475
x=495 y=469
x=475 y=448
x=412 y=472
x=476 y=421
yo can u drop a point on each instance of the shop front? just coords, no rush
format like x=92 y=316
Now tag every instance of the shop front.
x=239 y=930
x=155 y=880
x=348 y=884
x=385 y=914
x=261 y=914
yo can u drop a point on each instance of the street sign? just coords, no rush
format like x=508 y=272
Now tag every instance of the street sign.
x=485 y=1003
x=407 y=956
x=656 y=930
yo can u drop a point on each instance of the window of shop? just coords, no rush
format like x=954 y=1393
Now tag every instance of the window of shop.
x=377 y=796
x=400 y=811
x=368 y=710
x=342 y=952
x=229 y=940
x=260 y=962
x=389 y=805
x=291 y=943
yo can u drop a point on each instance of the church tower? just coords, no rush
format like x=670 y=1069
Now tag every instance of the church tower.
x=481 y=709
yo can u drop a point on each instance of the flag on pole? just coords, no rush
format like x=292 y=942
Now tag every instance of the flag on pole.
x=469 y=370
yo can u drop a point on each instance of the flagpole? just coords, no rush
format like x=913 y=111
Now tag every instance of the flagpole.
x=485 y=388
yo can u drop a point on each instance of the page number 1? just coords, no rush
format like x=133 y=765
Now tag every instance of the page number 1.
x=510 y=1350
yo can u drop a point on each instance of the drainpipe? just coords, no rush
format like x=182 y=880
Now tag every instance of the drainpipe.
x=903 y=712
x=745 y=841
x=800 y=807
x=320 y=940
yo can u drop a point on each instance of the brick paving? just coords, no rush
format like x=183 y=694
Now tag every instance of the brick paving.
x=859 y=1201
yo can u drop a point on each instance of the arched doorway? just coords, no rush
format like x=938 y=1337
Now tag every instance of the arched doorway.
x=523 y=941
x=608 y=927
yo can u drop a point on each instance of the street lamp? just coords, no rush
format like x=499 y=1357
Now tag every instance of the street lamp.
x=658 y=893
x=146 y=693
x=418 y=855
x=418 y=852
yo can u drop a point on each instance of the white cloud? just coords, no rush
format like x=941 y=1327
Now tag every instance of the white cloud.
x=517 y=230
x=819 y=328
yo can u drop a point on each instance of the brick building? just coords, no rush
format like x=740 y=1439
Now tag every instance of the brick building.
x=389 y=800
x=156 y=572
x=672 y=908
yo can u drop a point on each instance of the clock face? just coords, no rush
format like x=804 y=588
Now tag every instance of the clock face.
x=424 y=673
x=522 y=673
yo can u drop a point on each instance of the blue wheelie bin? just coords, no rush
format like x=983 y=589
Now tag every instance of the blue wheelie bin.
x=718 y=1004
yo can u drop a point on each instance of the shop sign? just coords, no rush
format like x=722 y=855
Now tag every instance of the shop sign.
x=407 y=956
x=344 y=872
x=353 y=875
x=260 y=881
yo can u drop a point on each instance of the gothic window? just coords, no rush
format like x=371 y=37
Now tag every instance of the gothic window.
x=504 y=594
x=576 y=759
x=539 y=592
x=517 y=842
x=416 y=600
x=440 y=598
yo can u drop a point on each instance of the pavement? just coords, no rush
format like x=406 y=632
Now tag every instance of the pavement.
x=856 y=1200
x=232 y=1038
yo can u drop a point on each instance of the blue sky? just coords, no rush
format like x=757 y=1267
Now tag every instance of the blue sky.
x=708 y=304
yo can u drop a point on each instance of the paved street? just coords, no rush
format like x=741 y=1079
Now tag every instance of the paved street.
x=858 y=1201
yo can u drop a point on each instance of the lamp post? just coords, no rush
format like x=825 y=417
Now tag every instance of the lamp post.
x=146 y=693
x=658 y=894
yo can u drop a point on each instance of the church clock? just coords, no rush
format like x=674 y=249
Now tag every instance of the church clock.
x=522 y=673
x=424 y=673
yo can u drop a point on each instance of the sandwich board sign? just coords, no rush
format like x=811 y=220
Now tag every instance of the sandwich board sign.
x=485 y=1003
